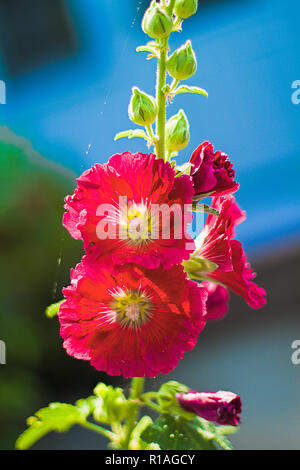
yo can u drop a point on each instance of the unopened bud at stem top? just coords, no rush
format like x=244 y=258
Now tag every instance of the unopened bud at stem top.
x=182 y=64
x=177 y=132
x=185 y=8
x=156 y=23
x=142 y=109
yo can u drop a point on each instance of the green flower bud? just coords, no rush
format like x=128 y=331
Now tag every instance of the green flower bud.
x=156 y=23
x=182 y=64
x=177 y=132
x=186 y=8
x=110 y=406
x=142 y=108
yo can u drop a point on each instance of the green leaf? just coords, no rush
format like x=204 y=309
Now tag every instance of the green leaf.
x=189 y=89
x=131 y=133
x=153 y=51
x=53 y=309
x=136 y=443
x=177 y=433
x=57 y=417
x=218 y=432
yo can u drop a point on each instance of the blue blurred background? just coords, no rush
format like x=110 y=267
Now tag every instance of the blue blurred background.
x=69 y=67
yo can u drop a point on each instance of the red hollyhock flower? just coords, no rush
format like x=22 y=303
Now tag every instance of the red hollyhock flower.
x=131 y=321
x=217 y=301
x=131 y=210
x=228 y=264
x=220 y=407
x=212 y=172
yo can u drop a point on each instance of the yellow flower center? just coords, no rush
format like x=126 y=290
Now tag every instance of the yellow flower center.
x=132 y=308
x=135 y=223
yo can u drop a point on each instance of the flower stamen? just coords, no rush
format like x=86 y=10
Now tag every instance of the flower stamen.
x=136 y=223
x=132 y=308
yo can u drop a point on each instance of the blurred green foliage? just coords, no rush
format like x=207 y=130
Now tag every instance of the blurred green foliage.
x=36 y=254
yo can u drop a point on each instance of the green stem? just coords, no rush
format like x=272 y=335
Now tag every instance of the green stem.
x=149 y=395
x=171 y=7
x=94 y=427
x=161 y=99
x=137 y=386
x=177 y=23
x=152 y=405
x=174 y=84
x=151 y=134
x=169 y=155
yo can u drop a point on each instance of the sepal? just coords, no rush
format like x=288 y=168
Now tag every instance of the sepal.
x=166 y=398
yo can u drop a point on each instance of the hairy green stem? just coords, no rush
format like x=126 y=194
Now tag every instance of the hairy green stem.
x=137 y=384
x=161 y=99
x=136 y=390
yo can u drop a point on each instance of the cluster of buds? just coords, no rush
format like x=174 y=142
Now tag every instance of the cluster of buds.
x=159 y=21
